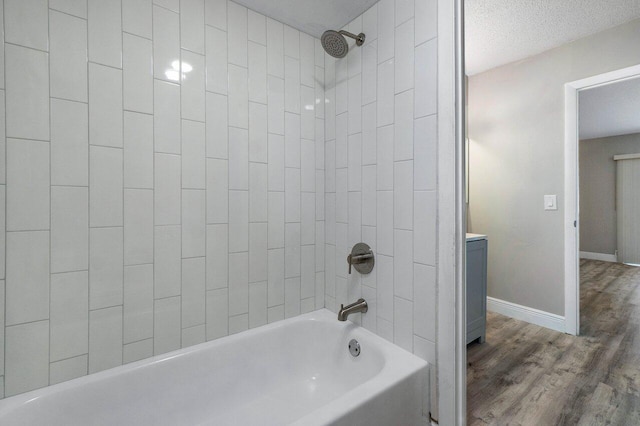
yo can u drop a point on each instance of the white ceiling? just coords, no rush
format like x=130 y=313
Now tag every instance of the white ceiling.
x=503 y=31
x=311 y=16
x=610 y=110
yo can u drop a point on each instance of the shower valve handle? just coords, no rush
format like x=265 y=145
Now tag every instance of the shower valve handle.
x=361 y=257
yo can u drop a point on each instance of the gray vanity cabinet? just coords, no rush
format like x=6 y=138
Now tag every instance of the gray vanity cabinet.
x=476 y=290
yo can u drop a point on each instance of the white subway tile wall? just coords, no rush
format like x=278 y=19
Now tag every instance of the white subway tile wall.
x=380 y=172
x=162 y=180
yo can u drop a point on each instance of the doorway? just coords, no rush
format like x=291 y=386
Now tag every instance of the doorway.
x=571 y=183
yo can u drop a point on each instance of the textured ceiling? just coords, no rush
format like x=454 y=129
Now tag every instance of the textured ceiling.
x=311 y=16
x=610 y=110
x=503 y=31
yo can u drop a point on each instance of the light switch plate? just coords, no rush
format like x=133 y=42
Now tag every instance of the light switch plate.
x=550 y=202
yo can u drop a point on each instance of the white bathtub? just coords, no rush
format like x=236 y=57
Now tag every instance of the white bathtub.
x=298 y=371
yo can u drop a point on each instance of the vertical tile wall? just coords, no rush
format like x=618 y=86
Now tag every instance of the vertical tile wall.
x=159 y=180
x=381 y=135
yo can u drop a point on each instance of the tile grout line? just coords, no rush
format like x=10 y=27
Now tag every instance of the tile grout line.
x=124 y=210
x=88 y=163
x=206 y=180
x=226 y=18
x=50 y=191
x=248 y=109
x=181 y=82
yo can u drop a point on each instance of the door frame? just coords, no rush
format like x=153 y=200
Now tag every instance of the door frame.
x=451 y=349
x=572 y=189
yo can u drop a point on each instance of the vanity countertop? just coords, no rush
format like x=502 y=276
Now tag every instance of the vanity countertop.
x=475 y=237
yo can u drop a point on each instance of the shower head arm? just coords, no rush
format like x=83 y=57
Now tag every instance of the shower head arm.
x=358 y=38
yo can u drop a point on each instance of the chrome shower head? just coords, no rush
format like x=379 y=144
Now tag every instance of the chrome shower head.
x=336 y=45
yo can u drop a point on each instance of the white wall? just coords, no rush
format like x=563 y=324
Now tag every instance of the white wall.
x=381 y=165
x=598 y=217
x=516 y=129
x=142 y=214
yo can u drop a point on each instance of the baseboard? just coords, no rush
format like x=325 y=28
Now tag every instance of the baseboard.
x=598 y=256
x=525 y=313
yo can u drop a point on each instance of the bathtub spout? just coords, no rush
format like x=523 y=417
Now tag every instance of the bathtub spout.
x=359 y=306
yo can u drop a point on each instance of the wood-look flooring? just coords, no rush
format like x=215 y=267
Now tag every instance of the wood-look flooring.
x=529 y=375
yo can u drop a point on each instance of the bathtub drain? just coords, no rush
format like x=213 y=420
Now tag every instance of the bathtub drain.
x=354 y=347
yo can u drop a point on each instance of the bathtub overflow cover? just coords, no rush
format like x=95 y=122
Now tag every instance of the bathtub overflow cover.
x=354 y=347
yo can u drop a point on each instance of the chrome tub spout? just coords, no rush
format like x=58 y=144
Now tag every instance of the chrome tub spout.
x=359 y=306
